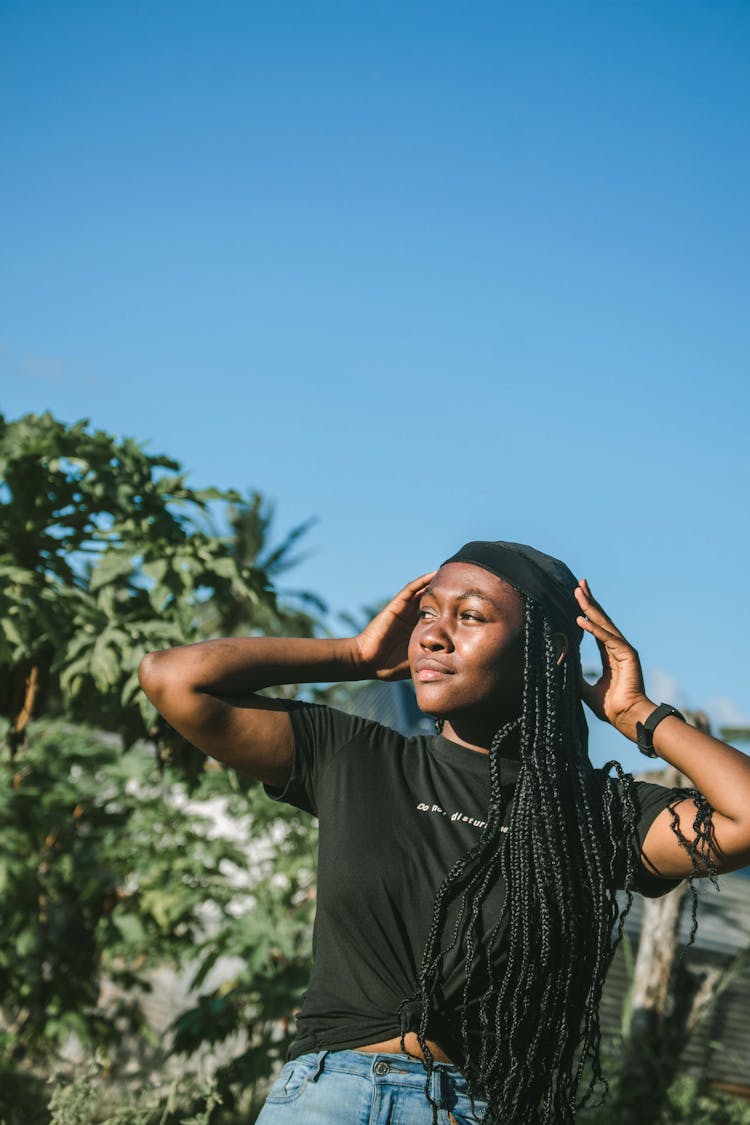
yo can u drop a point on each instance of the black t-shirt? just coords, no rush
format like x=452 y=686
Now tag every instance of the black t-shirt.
x=395 y=814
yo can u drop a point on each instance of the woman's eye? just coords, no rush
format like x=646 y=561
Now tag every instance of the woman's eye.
x=467 y=615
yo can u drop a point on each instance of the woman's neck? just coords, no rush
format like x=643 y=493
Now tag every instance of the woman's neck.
x=477 y=734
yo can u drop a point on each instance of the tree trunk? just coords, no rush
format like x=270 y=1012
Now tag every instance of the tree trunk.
x=23 y=697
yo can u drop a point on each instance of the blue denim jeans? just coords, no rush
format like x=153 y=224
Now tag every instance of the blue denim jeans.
x=354 y=1088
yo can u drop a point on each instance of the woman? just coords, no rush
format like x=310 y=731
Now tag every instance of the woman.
x=466 y=882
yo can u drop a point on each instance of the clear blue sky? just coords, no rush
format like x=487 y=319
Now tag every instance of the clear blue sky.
x=429 y=272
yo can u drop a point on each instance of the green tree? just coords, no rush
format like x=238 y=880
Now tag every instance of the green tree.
x=107 y=863
x=298 y=613
x=103 y=556
x=109 y=868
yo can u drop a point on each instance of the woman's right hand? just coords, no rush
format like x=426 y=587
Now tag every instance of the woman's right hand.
x=382 y=647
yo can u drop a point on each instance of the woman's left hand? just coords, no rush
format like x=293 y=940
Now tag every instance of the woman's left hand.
x=618 y=696
x=719 y=772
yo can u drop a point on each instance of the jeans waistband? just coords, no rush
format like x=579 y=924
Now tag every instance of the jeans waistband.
x=387 y=1068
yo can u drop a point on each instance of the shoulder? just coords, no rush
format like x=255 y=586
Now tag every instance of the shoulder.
x=322 y=739
x=330 y=728
x=640 y=801
x=633 y=808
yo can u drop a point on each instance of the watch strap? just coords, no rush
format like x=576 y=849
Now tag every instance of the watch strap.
x=645 y=731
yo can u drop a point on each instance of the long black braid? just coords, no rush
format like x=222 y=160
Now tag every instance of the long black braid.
x=529 y=1023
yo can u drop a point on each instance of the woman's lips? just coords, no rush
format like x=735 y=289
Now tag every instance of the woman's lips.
x=426 y=670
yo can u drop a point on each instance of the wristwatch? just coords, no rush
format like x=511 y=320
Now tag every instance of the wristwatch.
x=645 y=731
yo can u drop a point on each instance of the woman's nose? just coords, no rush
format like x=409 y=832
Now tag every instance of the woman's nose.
x=434 y=636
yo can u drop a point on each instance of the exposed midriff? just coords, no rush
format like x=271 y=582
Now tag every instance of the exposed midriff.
x=393 y=1047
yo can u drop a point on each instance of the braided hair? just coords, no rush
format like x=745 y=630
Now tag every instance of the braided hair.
x=529 y=1022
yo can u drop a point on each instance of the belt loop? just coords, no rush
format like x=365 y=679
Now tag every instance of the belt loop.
x=319 y=1062
x=440 y=1087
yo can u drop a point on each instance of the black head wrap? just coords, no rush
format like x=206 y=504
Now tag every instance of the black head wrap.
x=544 y=578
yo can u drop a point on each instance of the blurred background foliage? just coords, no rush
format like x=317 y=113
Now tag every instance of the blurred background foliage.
x=116 y=858
x=124 y=852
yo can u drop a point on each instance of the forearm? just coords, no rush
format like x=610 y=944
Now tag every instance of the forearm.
x=720 y=772
x=208 y=692
x=236 y=666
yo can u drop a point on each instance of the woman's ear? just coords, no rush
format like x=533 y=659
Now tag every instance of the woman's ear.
x=560 y=642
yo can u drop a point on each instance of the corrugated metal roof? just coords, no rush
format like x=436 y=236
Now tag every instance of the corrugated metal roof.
x=719 y=1048
x=723 y=915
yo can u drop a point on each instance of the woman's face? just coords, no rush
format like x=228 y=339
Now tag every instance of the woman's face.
x=466 y=650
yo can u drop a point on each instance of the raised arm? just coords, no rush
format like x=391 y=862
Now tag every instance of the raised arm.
x=206 y=691
x=720 y=772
